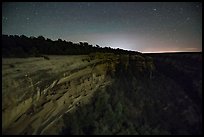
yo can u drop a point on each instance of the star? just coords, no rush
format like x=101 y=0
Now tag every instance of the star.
x=27 y=18
x=155 y=13
x=5 y=18
x=127 y=22
x=80 y=5
x=33 y=4
x=104 y=12
x=188 y=18
x=181 y=11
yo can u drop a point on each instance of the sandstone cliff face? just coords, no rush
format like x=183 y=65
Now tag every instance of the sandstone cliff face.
x=38 y=110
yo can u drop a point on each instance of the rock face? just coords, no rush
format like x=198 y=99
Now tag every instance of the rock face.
x=34 y=114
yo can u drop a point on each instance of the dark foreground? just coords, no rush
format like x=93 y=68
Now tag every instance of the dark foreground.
x=169 y=102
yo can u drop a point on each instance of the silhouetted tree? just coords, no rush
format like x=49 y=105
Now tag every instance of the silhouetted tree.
x=23 y=46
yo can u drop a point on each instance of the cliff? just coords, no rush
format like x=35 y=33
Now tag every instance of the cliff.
x=36 y=91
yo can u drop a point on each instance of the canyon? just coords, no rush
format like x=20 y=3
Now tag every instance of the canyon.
x=38 y=91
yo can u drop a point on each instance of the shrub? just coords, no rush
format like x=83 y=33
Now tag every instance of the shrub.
x=11 y=66
x=45 y=57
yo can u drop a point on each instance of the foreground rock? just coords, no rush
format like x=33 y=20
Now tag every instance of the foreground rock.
x=41 y=90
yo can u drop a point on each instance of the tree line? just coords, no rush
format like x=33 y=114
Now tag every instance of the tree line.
x=23 y=46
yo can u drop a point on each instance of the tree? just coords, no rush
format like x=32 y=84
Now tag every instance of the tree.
x=41 y=38
x=59 y=40
x=14 y=45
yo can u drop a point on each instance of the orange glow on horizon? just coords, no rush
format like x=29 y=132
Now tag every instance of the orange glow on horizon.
x=168 y=51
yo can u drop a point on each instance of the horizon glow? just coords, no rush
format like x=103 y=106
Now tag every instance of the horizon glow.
x=137 y=26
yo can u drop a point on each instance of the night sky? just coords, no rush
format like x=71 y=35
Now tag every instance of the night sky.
x=144 y=27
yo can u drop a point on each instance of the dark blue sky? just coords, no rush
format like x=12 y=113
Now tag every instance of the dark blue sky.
x=144 y=27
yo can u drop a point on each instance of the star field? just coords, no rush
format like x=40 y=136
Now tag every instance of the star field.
x=145 y=27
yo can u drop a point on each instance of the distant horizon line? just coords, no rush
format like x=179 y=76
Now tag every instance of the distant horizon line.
x=145 y=52
x=172 y=52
